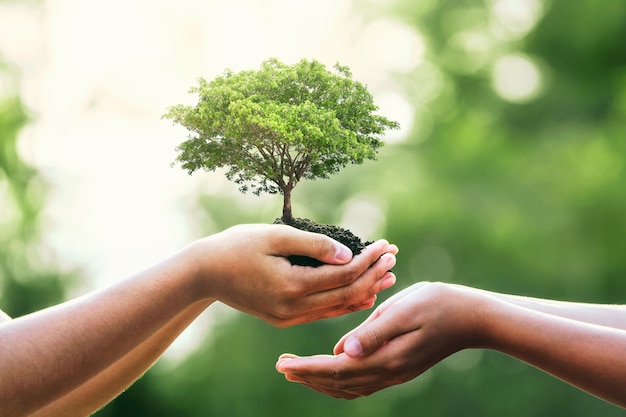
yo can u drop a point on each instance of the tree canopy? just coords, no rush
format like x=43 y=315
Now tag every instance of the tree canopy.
x=279 y=124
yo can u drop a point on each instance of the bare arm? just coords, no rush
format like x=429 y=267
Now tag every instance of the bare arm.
x=610 y=315
x=56 y=350
x=108 y=384
x=100 y=343
x=422 y=325
x=586 y=355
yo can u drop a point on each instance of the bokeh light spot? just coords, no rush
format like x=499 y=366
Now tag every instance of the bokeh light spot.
x=515 y=18
x=516 y=78
x=391 y=45
x=403 y=112
x=364 y=217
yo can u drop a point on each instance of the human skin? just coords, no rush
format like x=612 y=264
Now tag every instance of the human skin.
x=581 y=344
x=73 y=358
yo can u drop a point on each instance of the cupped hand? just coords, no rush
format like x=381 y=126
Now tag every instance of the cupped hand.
x=402 y=338
x=246 y=267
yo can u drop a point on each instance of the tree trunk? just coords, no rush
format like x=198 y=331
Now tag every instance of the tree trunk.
x=287 y=216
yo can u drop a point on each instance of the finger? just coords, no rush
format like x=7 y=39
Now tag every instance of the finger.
x=317 y=368
x=391 y=300
x=319 y=388
x=360 y=348
x=336 y=285
x=328 y=277
x=284 y=356
x=372 y=335
x=329 y=312
x=358 y=295
x=333 y=375
x=354 y=298
x=339 y=346
x=313 y=245
x=337 y=311
x=290 y=363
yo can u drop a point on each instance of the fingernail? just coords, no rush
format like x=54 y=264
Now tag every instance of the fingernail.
x=280 y=363
x=343 y=253
x=352 y=347
x=388 y=282
x=390 y=261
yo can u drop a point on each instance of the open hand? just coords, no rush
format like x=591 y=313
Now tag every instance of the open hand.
x=404 y=336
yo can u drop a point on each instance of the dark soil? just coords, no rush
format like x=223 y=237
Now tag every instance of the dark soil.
x=340 y=234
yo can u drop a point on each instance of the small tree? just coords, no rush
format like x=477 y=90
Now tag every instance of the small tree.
x=275 y=126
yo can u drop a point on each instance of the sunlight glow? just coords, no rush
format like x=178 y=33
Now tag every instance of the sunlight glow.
x=512 y=19
x=403 y=111
x=364 y=217
x=471 y=50
x=516 y=78
x=392 y=46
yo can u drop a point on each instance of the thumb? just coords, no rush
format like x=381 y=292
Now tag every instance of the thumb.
x=315 y=245
x=369 y=337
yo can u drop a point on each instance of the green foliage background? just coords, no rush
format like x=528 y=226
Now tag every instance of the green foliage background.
x=524 y=198
x=29 y=277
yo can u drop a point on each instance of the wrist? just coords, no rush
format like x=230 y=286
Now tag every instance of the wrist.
x=492 y=313
x=203 y=268
x=478 y=315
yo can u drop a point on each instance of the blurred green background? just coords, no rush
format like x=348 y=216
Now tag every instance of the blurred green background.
x=512 y=179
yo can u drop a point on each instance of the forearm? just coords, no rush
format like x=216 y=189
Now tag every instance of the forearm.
x=600 y=314
x=585 y=355
x=54 y=351
x=108 y=384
